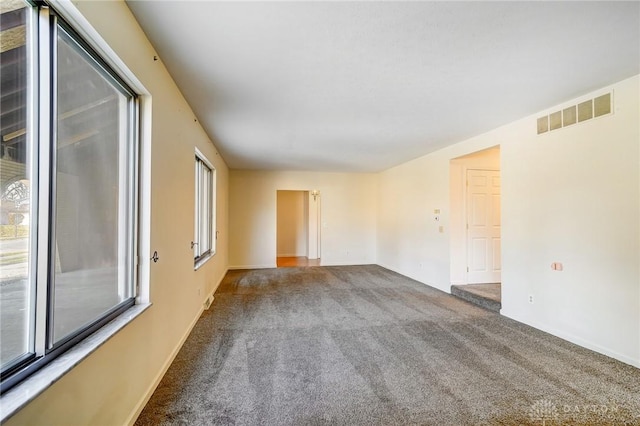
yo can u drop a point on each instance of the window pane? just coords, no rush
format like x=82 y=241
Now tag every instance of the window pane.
x=196 y=237
x=15 y=197
x=212 y=210
x=91 y=212
x=205 y=230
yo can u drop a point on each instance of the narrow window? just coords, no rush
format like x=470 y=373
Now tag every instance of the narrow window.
x=205 y=220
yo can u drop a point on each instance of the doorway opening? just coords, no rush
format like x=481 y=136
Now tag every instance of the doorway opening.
x=298 y=228
x=476 y=261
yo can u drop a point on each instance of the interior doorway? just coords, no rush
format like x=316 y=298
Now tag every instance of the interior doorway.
x=297 y=228
x=475 y=227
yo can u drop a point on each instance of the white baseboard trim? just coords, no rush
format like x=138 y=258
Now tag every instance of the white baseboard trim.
x=385 y=266
x=577 y=340
x=273 y=265
x=415 y=278
x=215 y=288
x=151 y=389
x=346 y=263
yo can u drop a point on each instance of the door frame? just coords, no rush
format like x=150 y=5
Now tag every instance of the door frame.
x=313 y=224
x=483 y=159
x=312 y=219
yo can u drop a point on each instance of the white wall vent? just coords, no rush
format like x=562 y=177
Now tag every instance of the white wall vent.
x=586 y=110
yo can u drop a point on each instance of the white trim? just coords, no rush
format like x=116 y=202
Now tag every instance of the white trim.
x=433 y=286
x=204 y=159
x=203 y=260
x=27 y=390
x=576 y=340
x=263 y=266
x=215 y=288
x=154 y=384
x=81 y=25
x=156 y=381
x=201 y=162
x=144 y=199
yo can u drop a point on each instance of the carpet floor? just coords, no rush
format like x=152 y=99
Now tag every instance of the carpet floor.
x=361 y=345
x=488 y=296
x=488 y=291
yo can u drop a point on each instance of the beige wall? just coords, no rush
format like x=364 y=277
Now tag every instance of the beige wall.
x=570 y=196
x=347 y=215
x=110 y=386
x=292 y=223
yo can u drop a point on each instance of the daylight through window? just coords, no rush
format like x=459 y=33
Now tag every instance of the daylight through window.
x=68 y=190
x=205 y=219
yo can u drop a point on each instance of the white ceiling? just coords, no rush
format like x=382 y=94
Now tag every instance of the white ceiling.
x=363 y=86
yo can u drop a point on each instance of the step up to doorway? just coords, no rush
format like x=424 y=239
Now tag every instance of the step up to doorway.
x=483 y=295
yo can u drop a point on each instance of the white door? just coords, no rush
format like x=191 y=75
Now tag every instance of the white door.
x=483 y=226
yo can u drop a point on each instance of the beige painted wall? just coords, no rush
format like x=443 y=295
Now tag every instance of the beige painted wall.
x=570 y=196
x=347 y=215
x=110 y=386
x=292 y=223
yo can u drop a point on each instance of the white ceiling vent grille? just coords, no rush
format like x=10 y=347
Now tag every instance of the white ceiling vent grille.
x=584 y=111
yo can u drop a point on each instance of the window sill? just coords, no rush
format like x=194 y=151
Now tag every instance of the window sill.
x=28 y=390
x=203 y=260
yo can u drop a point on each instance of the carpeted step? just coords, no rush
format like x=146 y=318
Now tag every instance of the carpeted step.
x=483 y=295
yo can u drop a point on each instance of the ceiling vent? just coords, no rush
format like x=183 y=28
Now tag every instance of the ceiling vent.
x=584 y=111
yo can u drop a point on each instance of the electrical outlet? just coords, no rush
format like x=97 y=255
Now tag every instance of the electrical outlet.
x=531 y=298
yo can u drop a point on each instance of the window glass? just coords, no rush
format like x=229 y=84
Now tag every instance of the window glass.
x=204 y=239
x=91 y=189
x=16 y=213
x=205 y=217
x=68 y=179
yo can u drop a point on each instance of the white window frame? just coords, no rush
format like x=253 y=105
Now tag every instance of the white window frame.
x=40 y=379
x=204 y=210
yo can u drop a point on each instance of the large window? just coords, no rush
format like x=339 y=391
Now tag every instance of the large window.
x=204 y=244
x=68 y=190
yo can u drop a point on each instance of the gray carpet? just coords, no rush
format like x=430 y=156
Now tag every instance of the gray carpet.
x=361 y=345
x=488 y=296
